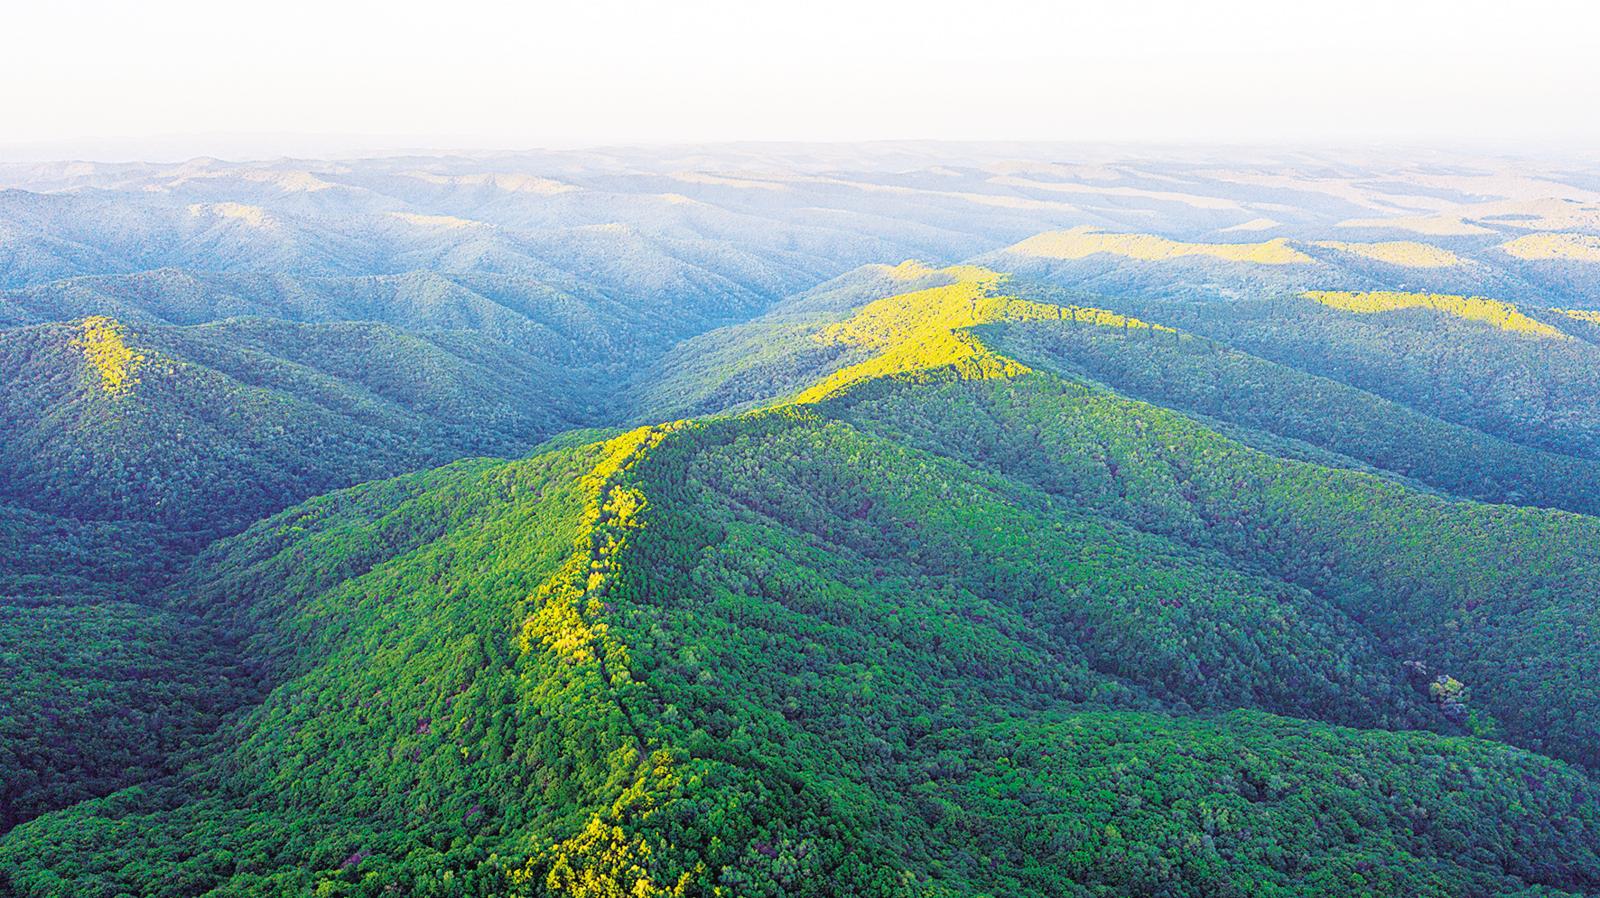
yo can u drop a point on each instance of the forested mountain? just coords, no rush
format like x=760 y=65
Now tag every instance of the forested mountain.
x=202 y=429
x=629 y=536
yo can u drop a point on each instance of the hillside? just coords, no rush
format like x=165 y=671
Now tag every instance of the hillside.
x=618 y=523
x=1286 y=410
x=203 y=429
x=1533 y=384
x=940 y=621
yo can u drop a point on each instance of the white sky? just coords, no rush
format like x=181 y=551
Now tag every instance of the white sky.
x=164 y=78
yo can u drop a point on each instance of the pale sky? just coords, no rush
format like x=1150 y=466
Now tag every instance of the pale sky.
x=164 y=78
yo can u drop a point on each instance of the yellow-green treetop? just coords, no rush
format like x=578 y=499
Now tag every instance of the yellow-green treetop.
x=108 y=356
x=1590 y=315
x=922 y=335
x=604 y=860
x=1081 y=242
x=1494 y=312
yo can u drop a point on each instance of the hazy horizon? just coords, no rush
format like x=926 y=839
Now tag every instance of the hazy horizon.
x=177 y=80
x=269 y=149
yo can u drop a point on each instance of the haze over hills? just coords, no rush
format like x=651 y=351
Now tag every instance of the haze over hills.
x=778 y=520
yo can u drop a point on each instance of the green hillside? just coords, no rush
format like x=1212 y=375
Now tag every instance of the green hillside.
x=1205 y=377
x=1524 y=387
x=950 y=623
x=101 y=695
x=203 y=429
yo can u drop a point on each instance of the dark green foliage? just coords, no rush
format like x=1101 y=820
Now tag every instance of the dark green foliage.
x=49 y=555
x=772 y=357
x=100 y=695
x=872 y=616
x=1458 y=587
x=229 y=422
x=1201 y=376
x=1016 y=636
x=398 y=725
x=834 y=664
x=1540 y=393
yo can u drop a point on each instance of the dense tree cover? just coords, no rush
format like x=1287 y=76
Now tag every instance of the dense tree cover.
x=1493 y=312
x=849 y=331
x=127 y=449
x=221 y=424
x=1541 y=393
x=100 y=691
x=780 y=654
x=1455 y=586
x=557 y=317
x=323 y=382
x=775 y=355
x=128 y=446
x=402 y=722
x=1203 y=376
x=1241 y=265
x=100 y=695
x=45 y=555
x=951 y=625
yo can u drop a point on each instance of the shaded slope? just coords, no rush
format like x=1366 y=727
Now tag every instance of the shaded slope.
x=449 y=706
x=1499 y=597
x=1526 y=389
x=874 y=322
x=550 y=312
x=1504 y=584
x=101 y=695
x=1205 y=377
x=218 y=425
x=773 y=355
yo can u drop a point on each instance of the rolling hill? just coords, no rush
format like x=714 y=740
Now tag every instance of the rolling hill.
x=203 y=429
x=613 y=524
x=929 y=618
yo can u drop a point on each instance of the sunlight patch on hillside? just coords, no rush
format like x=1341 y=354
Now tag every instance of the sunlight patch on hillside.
x=449 y=222
x=293 y=181
x=1407 y=253
x=1085 y=241
x=254 y=216
x=1493 y=312
x=1554 y=247
x=1589 y=315
x=909 y=270
x=287 y=181
x=108 y=356
x=923 y=335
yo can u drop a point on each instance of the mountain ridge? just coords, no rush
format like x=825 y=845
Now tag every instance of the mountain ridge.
x=830 y=512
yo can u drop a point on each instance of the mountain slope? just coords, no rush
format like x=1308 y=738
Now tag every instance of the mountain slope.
x=948 y=626
x=201 y=430
x=1205 y=377
x=1529 y=388
x=101 y=695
